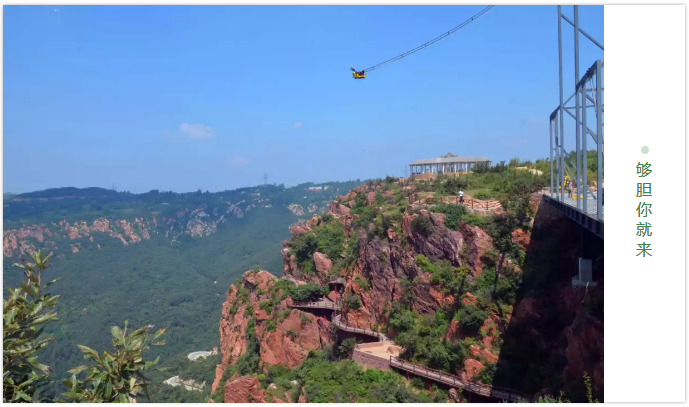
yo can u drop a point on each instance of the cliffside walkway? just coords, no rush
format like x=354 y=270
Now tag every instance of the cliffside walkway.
x=413 y=368
x=337 y=320
x=340 y=324
x=322 y=304
x=454 y=381
x=338 y=280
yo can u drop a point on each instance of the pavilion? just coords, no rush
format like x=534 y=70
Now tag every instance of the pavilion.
x=449 y=163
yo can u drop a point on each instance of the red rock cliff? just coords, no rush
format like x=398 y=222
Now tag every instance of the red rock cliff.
x=285 y=335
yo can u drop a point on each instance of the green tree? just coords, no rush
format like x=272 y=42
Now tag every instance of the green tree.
x=470 y=318
x=309 y=292
x=24 y=312
x=422 y=225
x=346 y=348
x=116 y=377
x=352 y=301
x=518 y=214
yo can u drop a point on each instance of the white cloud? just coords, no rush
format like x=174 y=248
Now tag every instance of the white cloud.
x=237 y=161
x=196 y=131
x=297 y=125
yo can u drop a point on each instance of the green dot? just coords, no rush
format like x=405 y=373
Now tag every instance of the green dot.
x=644 y=150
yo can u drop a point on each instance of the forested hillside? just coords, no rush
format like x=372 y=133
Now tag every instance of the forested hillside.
x=157 y=258
x=476 y=291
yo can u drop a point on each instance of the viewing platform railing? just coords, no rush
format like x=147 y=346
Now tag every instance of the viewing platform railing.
x=454 y=381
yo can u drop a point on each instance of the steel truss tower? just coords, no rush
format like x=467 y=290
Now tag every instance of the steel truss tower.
x=588 y=104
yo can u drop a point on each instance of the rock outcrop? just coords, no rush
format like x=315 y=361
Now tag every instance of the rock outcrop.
x=244 y=390
x=382 y=271
x=285 y=336
x=322 y=263
x=477 y=244
x=195 y=222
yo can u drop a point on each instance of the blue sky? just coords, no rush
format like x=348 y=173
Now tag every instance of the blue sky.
x=185 y=98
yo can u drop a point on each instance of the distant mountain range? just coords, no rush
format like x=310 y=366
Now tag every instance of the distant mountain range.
x=159 y=258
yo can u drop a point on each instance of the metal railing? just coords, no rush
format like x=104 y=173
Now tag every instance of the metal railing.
x=338 y=322
x=419 y=370
x=338 y=280
x=454 y=381
x=315 y=304
x=337 y=317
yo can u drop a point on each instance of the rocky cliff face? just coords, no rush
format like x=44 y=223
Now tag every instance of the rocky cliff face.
x=555 y=335
x=378 y=273
x=196 y=221
x=384 y=262
x=382 y=239
x=258 y=302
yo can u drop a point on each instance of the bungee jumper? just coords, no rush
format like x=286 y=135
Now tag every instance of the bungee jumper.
x=357 y=74
x=362 y=74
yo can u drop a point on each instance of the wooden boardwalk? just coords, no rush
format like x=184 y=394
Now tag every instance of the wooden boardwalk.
x=342 y=324
x=454 y=381
x=322 y=304
x=413 y=368
x=337 y=320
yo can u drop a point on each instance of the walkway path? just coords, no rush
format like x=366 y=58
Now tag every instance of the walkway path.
x=342 y=324
x=190 y=385
x=322 y=304
x=418 y=370
x=591 y=204
x=454 y=381
x=337 y=320
x=200 y=354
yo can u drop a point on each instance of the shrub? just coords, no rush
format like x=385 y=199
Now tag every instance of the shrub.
x=380 y=199
x=483 y=195
x=441 y=357
x=366 y=215
x=451 y=279
x=304 y=318
x=421 y=225
x=242 y=294
x=473 y=219
x=470 y=318
x=453 y=214
x=115 y=377
x=309 y=292
x=346 y=348
x=266 y=306
x=283 y=315
x=303 y=246
x=506 y=289
x=383 y=257
x=292 y=335
x=381 y=226
x=352 y=301
x=487 y=374
x=24 y=311
x=330 y=240
x=417 y=383
x=425 y=264
x=361 y=282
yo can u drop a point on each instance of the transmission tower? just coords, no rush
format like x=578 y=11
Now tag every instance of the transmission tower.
x=265 y=179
